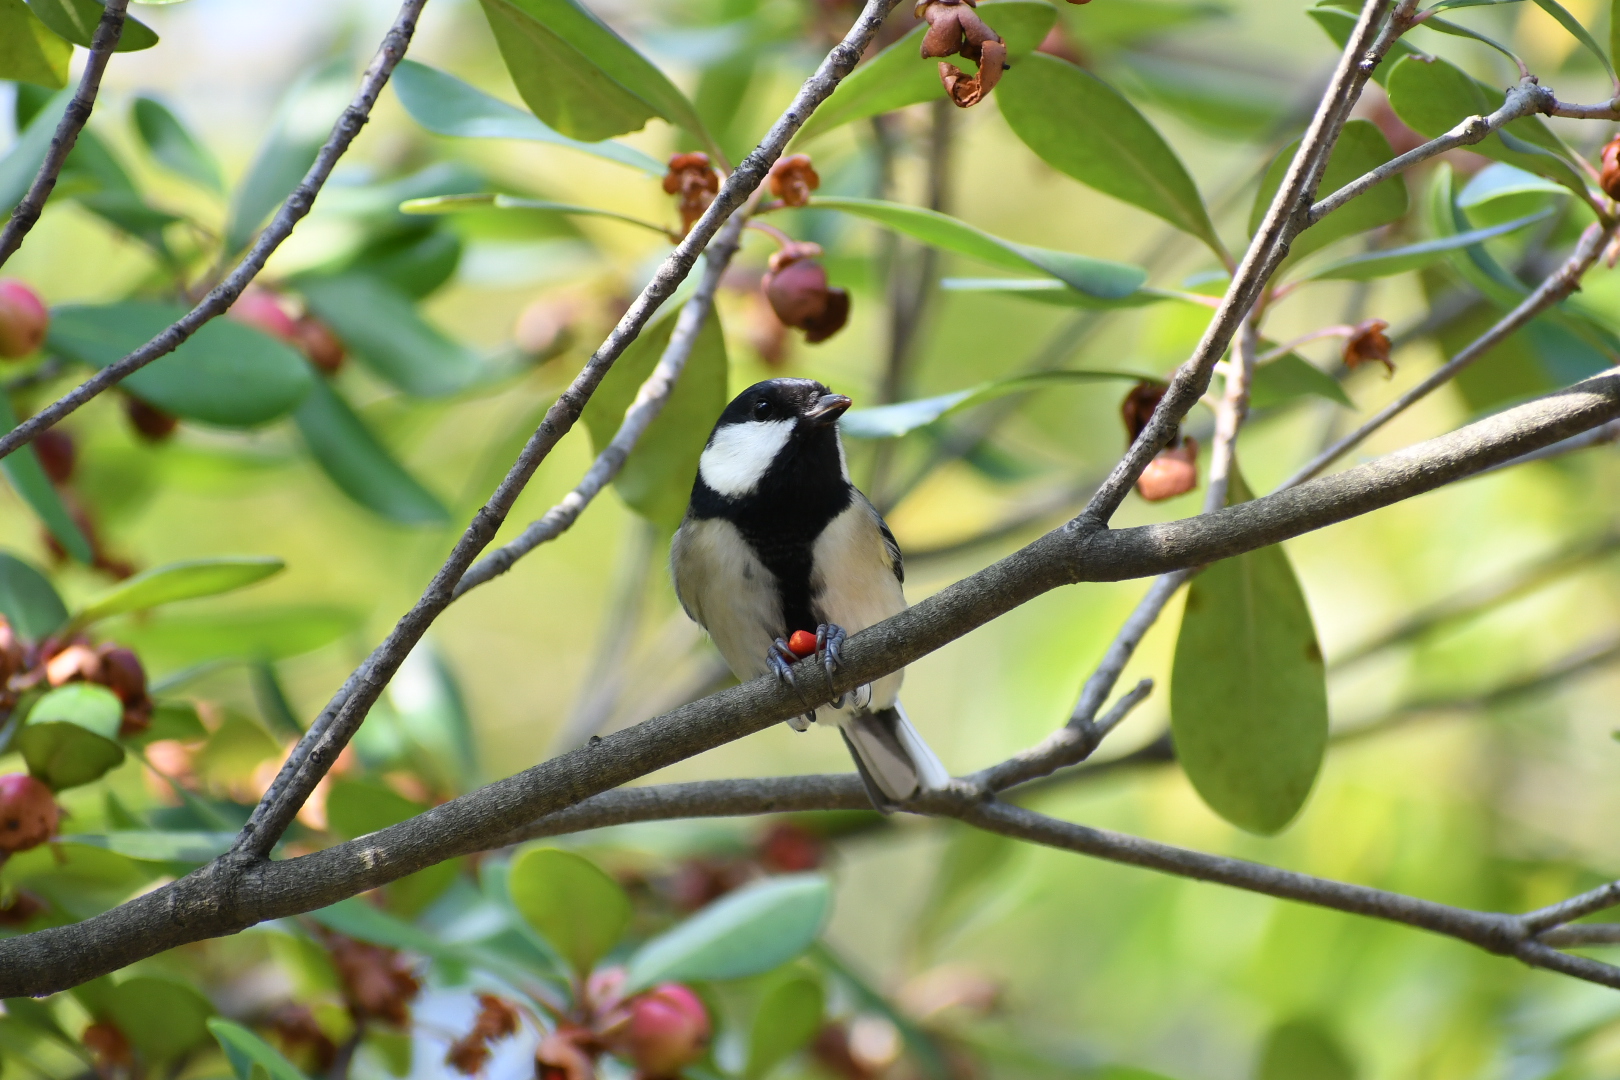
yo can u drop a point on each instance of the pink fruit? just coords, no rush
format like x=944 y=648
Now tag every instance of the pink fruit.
x=668 y=1029
x=23 y=319
x=27 y=813
x=263 y=310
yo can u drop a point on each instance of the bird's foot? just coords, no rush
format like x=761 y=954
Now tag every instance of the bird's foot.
x=830 y=648
x=780 y=658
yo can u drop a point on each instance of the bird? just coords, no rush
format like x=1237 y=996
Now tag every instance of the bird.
x=777 y=540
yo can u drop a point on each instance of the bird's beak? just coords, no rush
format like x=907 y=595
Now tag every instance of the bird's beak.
x=827 y=410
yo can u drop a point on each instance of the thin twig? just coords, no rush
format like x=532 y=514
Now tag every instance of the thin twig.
x=1576 y=907
x=102 y=45
x=1068 y=745
x=1563 y=937
x=1605 y=110
x=222 y=296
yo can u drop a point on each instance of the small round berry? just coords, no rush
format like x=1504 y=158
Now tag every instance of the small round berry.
x=23 y=319
x=28 y=813
x=802 y=643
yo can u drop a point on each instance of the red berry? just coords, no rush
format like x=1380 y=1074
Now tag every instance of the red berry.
x=802 y=642
x=669 y=1029
x=23 y=319
x=27 y=813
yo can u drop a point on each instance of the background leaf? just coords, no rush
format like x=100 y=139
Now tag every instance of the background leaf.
x=1248 y=693
x=226 y=373
x=1389 y=261
x=28 y=600
x=1290 y=377
x=380 y=326
x=1303 y=1049
x=1081 y=126
x=69 y=736
x=246 y=1051
x=576 y=907
x=302 y=124
x=657 y=477
x=172 y=146
x=359 y=465
x=76 y=20
x=164 y=1018
x=889 y=421
x=788 y=1017
x=747 y=932
x=179 y=581
x=30 y=52
x=28 y=479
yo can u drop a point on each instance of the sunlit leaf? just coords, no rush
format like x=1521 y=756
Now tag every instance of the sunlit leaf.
x=226 y=373
x=1248 y=693
x=1057 y=293
x=179 y=581
x=748 y=932
x=889 y=421
x=576 y=907
x=69 y=736
x=1303 y=1049
x=452 y=204
x=1081 y=126
x=656 y=480
x=1290 y=377
x=580 y=77
x=148 y=846
x=249 y=1054
x=355 y=808
x=1388 y=261
x=28 y=600
x=301 y=125
x=28 y=479
x=76 y=21
x=29 y=51
x=1096 y=277
x=900 y=76
x=447 y=106
x=1360 y=149
x=1499 y=181
x=173 y=719
x=380 y=325
x=174 y=147
x=359 y=465
x=788 y=1017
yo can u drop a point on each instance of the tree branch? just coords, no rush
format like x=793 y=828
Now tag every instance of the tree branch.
x=230 y=894
x=102 y=43
x=223 y=295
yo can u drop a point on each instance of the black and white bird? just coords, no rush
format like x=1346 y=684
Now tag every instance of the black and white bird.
x=777 y=540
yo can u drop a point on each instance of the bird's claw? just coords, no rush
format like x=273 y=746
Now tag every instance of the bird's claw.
x=780 y=659
x=830 y=648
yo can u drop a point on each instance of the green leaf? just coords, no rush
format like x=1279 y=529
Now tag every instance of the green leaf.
x=451 y=204
x=1338 y=25
x=359 y=465
x=172 y=146
x=1057 y=293
x=27 y=477
x=1290 y=377
x=1095 y=277
x=1248 y=692
x=1303 y=1049
x=366 y=922
x=177 y=720
x=27 y=154
x=380 y=325
x=69 y=736
x=1360 y=149
x=29 y=51
x=28 y=601
x=751 y=931
x=1434 y=97
x=247 y=1052
x=226 y=373
x=890 y=421
x=579 y=76
x=179 y=581
x=1499 y=181
x=1377 y=264
x=302 y=124
x=355 y=808
x=900 y=76
x=257 y=633
x=433 y=714
x=163 y=1018
x=447 y=106
x=147 y=846
x=657 y=477
x=76 y=21
x=577 y=908
x=788 y=1018
x=1081 y=126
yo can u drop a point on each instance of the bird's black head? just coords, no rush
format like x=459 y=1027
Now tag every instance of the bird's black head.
x=781 y=434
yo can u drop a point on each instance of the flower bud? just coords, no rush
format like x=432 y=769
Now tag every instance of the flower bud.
x=1609 y=172
x=28 y=813
x=792 y=179
x=322 y=346
x=1370 y=345
x=264 y=310
x=77 y=662
x=23 y=319
x=797 y=288
x=1173 y=472
x=56 y=454
x=692 y=178
x=668 y=1029
x=151 y=423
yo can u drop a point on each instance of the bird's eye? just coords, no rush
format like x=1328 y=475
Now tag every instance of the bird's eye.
x=762 y=409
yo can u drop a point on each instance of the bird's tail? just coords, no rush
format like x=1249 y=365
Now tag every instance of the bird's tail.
x=893 y=760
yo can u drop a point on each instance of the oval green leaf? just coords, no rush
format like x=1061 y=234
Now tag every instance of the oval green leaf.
x=179 y=581
x=657 y=477
x=163 y=1018
x=890 y=421
x=788 y=1018
x=447 y=106
x=75 y=21
x=247 y=1053
x=28 y=479
x=1081 y=126
x=1360 y=149
x=359 y=465
x=1248 y=692
x=1303 y=1049
x=28 y=600
x=579 y=76
x=29 y=51
x=226 y=373
x=381 y=326
x=576 y=907
x=748 y=932
x=174 y=147
x=69 y=736
x=1095 y=277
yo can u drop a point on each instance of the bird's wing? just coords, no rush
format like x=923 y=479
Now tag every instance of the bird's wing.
x=890 y=545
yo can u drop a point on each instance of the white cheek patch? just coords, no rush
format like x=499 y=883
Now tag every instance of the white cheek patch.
x=738 y=456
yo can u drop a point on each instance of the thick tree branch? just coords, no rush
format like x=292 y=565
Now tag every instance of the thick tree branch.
x=102 y=43
x=223 y=295
x=231 y=894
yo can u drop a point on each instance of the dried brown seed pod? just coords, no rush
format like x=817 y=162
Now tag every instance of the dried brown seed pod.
x=1137 y=408
x=692 y=177
x=1369 y=344
x=1174 y=471
x=150 y=422
x=793 y=178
